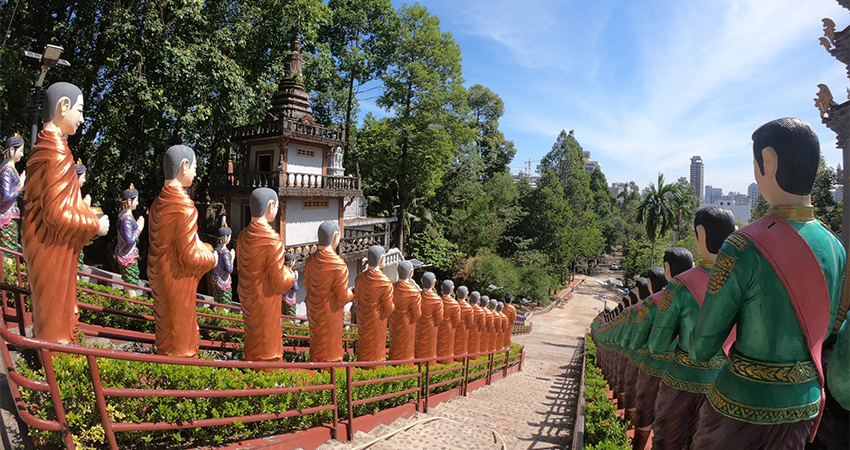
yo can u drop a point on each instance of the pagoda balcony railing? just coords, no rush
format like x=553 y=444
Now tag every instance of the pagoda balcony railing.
x=288 y=127
x=289 y=180
x=354 y=241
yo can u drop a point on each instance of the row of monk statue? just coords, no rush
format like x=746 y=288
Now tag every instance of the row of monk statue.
x=727 y=355
x=57 y=222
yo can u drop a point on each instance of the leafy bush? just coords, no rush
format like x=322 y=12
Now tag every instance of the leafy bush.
x=602 y=428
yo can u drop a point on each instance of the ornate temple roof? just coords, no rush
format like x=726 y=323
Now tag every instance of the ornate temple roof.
x=291 y=100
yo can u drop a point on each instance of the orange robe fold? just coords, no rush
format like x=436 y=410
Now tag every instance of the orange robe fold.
x=426 y=326
x=475 y=334
x=373 y=295
x=490 y=332
x=177 y=260
x=501 y=330
x=510 y=312
x=408 y=307
x=263 y=279
x=462 y=332
x=56 y=225
x=326 y=285
x=446 y=329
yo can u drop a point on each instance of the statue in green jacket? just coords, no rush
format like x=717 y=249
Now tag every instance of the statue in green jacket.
x=685 y=381
x=676 y=261
x=838 y=372
x=779 y=280
x=632 y=361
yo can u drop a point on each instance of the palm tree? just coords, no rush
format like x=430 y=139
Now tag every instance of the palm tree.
x=656 y=210
x=685 y=204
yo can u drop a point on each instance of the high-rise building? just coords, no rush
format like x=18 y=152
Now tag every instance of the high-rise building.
x=712 y=195
x=753 y=195
x=697 y=176
x=617 y=188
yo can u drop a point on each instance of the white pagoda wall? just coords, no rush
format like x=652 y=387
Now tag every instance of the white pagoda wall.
x=304 y=164
x=302 y=225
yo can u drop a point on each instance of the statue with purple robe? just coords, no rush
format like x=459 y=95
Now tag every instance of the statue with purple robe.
x=222 y=292
x=11 y=186
x=129 y=229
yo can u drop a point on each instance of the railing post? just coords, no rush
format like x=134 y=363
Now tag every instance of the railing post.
x=20 y=307
x=335 y=403
x=419 y=394
x=427 y=384
x=465 y=375
x=350 y=406
x=507 y=360
x=50 y=374
x=101 y=402
x=490 y=369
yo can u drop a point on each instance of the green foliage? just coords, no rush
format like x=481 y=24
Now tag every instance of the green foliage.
x=657 y=211
x=434 y=249
x=547 y=225
x=487 y=268
x=638 y=257
x=761 y=208
x=602 y=429
x=495 y=151
x=826 y=208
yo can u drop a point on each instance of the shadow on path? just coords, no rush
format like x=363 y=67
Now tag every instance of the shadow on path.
x=555 y=426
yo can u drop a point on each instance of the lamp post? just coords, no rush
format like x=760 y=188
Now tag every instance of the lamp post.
x=48 y=59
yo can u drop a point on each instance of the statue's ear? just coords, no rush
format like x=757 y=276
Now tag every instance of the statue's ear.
x=185 y=164
x=270 y=205
x=771 y=162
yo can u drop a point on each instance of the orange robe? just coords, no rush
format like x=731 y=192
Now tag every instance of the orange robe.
x=177 y=260
x=462 y=332
x=373 y=295
x=446 y=329
x=408 y=307
x=510 y=312
x=56 y=225
x=426 y=326
x=502 y=319
x=476 y=339
x=326 y=285
x=263 y=279
x=491 y=330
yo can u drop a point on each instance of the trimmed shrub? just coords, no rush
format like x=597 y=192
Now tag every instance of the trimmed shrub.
x=602 y=427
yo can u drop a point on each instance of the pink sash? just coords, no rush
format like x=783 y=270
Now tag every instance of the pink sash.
x=696 y=280
x=798 y=269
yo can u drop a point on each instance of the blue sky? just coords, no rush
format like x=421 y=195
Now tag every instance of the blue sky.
x=647 y=84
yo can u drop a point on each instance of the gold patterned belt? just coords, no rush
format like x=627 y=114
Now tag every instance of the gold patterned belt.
x=662 y=356
x=713 y=364
x=773 y=373
x=643 y=351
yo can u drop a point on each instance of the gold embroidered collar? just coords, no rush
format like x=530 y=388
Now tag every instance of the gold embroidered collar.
x=706 y=264
x=794 y=213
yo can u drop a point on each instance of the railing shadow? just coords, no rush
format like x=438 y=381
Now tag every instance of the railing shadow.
x=555 y=428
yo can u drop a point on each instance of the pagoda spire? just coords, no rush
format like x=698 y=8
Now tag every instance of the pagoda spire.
x=291 y=100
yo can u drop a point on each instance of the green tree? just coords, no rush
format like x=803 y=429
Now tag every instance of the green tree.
x=656 y=212
x=822 y=199
x=487 y=107
x=547 y=224
x=361 y=37
x=405 y=155
x=611 y=222
x=685 y=205
x=760 y=209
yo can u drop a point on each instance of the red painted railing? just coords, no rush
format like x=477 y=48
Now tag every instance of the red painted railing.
x=497 y=361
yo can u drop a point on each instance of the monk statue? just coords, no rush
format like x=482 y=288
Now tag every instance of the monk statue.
x=779 y=281
x=838 y=371
x=56 y=223
x=432 y=315
x=485 y=344
x=479 y=318
x=466 y=326
x=496 y=333
x=263 y=279
x=11 y=186
x=504 y=335
x=407 y=300
x=129 y=230
x=326 y=285
x=451 y=321
x=685 y=382
x=373 y=295
x=510 y=312
x=676 y=261
x=221 y=281
x=177 y=259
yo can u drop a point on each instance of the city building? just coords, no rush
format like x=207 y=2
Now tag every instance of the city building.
x=753 y=195
x=712 y=195
x=739 y=210
x=698 y=176
x=618 y=188
x=589 y=165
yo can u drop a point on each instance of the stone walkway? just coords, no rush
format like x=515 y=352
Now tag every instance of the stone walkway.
x=531 y=409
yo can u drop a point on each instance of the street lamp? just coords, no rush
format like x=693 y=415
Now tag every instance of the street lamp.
x=48 y=60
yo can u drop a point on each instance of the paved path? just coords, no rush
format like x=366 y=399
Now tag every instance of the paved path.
x=531 y=409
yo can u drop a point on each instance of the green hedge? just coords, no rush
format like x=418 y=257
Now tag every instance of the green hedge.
x=602 y=428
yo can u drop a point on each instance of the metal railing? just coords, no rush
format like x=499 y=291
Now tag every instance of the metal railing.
x=287 y=180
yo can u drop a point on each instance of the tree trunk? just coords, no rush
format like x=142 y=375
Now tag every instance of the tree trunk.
x=652 y=255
